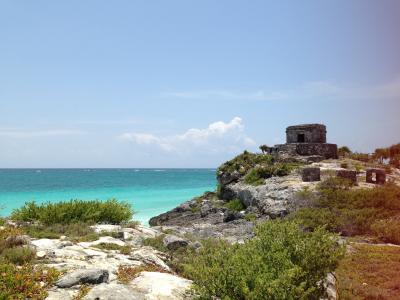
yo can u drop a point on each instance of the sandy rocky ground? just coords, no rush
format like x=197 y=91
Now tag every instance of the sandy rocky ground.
x=83 y=263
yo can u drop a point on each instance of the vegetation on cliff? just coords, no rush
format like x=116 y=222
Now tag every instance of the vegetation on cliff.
x=254 y=168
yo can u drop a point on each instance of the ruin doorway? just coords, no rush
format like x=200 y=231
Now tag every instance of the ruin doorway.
x=300 y=138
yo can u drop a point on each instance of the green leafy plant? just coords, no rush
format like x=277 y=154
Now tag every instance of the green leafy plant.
x=18 y=255
x=235 y=205
x=74 y=211
x=281 y=262
x=257 y=175
x=25 y=282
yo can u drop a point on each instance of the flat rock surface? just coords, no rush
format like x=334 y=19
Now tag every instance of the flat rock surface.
x=161 y=286
x=83 y=276
x=113 y=291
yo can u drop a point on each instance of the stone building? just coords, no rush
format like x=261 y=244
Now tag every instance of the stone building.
x=307 y=133
x=308 y=140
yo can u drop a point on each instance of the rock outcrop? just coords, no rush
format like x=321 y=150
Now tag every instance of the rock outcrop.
x=85 y=263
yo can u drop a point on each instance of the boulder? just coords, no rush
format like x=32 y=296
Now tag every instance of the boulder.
x=173 y=242
x=225 y=178
x=92 y=276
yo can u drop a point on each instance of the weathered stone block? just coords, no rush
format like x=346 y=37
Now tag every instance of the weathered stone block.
x=347 y=174
x=311 y=174
x=377 y=176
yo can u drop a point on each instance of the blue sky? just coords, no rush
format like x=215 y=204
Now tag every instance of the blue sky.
x=191 y=83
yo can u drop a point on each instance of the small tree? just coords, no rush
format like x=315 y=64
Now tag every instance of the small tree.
x=344 y=151
x=264 y=149
x=381 y=154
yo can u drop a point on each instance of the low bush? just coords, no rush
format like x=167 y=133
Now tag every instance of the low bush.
x=13 y=247
x=18 y=255
x=257 y=175
x=387 y=230
x=75 y=232
x=74 y=211
x=156 y=243
x=235 y=205
x=250 y=217
x=353 y=211
x=244 y=162
x=281 y=262
x=25 y=282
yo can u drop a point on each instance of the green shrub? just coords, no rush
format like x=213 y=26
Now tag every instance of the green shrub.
x=344 y=165
x=244 y=162
x=25 y=282
x=235 y=205
x=74 y=211
x=257 y=175
x=18 y=255
x=387 y=230
x=250 y=217
x=75 y=232
x=351 y=211
x=156 y=243
x=281 y=262
x=131 y=224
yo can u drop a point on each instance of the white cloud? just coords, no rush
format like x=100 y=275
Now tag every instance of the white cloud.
x=16 y=133
x=309 y=90
x=217 y=137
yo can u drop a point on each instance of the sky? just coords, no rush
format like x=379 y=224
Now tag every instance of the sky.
x=183 y=83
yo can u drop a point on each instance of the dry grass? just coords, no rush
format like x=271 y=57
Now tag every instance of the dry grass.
x=370 y=272
x=127 y=273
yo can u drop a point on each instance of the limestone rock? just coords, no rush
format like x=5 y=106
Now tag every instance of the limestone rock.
x=113 y=291
x=173 y=242
x=149 y=256
x=92 y=276
x=61 y=294
x=103 y=240
x=161 y=286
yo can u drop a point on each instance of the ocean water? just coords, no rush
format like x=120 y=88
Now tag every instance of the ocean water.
x=150 y=191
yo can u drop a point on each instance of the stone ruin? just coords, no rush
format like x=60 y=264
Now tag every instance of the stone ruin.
x=307 y=140
x=377 y=176
x=311 y=174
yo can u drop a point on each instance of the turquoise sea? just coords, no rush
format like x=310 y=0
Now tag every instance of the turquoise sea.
x=150 y=191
